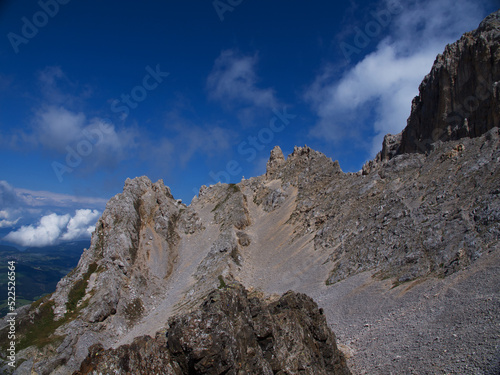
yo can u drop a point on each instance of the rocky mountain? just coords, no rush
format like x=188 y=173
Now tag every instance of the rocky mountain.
x=401 y=258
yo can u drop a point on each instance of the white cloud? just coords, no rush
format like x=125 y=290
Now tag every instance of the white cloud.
x=53 y=228
x=57 y=128
x=24 y=207
x=33 y=198
x=78 y=226
x=378 y=90
x=5 y=219
x=47 y=232
x=60 y=127
x=57 y=88
x=233 y=81
x=94 y=140
x=16 y=198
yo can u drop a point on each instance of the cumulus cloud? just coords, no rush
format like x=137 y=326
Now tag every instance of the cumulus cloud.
x=233 y=81
x=61 y=128
x=47 y=232
x=378 y=90
x=78 y=226
x=24 y=207
x=54 y=228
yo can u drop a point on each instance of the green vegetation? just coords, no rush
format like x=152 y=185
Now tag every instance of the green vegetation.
x=77 y=292
x=222 y=284
x=40 y=331
x=39 y=326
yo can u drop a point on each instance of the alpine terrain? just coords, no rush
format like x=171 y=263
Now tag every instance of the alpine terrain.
x=306 y=269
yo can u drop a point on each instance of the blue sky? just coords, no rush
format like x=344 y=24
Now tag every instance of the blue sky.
x=194 y=92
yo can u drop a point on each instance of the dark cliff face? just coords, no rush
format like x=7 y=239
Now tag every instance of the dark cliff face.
x=231 y=333
x=460 y=97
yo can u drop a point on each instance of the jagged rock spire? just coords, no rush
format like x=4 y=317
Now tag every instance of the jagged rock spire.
x=275 y=160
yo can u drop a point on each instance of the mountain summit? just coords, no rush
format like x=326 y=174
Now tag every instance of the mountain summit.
x=400 y=259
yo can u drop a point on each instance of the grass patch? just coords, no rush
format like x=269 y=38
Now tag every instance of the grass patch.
x=222 y=283
x=40 y=331
x=77 y=292
x=38 y=326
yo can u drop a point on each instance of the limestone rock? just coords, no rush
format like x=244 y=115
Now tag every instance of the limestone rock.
x=460 y=97
x=275 y=161
x=231 y=333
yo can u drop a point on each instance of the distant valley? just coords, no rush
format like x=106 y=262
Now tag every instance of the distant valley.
x=38 y=270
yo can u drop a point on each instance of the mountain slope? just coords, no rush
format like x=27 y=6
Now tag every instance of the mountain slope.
x=394 y=254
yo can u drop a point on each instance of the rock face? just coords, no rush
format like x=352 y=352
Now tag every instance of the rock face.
x=400 y=244
x=275 y=160
x=231 y=333
x=460 y=97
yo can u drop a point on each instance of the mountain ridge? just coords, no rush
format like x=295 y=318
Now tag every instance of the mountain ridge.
x=416 y=222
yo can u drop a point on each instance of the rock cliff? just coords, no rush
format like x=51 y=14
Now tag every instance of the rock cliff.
x=460 y=97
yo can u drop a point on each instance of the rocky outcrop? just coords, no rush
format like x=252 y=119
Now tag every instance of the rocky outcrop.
x=275 y=161
x=231 y=333
x=460 y=97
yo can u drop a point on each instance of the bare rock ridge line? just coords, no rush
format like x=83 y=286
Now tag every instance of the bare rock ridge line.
x=383 y=252
x=231 y=332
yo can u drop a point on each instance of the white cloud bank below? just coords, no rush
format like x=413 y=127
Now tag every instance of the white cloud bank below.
x=54 y=228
